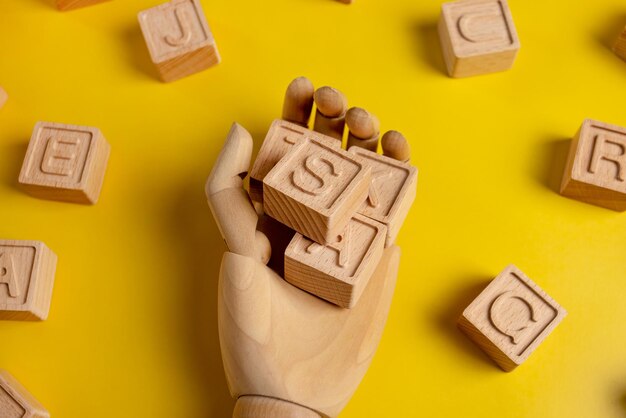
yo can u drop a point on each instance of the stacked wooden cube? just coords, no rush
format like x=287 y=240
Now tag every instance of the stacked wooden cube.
x=343 y=207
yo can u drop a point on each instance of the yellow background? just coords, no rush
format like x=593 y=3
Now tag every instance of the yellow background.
x=132 y=329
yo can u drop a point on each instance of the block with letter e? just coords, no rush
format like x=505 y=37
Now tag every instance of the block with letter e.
x=65 y=162
x=595 y=171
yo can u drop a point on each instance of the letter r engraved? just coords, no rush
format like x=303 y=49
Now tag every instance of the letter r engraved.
x=599 y=153
x=185 y=31
x=7 y=274
x=313 y=166
x=511 y=315
x=59 y=156
x=342 y=246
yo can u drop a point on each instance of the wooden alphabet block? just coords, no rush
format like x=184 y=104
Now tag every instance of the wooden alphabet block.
x=391 y=191
x=596 y=166
x=26 y=279
x=3 y=97
x=477 y=37
x=65 y=162
x=16 y=401
x=315 y=189
x=337 y=272
x=179 y=39
x=75 y=4
x=280 y=138
x=510 y=318
x=620 y=45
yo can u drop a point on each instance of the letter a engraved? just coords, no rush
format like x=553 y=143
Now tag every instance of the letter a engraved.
x=342 y=246
x=7 y=274
x=510 y=317
x=600 y=153
x=313 y=166
x=373 y=198
x=59 y=155
x=185 y=32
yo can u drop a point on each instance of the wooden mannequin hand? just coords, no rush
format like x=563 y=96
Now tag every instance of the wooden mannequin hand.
x=286 y=352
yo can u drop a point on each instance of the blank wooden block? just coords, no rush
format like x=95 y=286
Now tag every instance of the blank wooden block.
x=280 y=138
x=65 y=162
x=26 y=279
x=596 y=166
x=315 y=189
x=391 y=192
x=16 y=401
x=477 y=37
x=337 y=272
x=3 y=97
x=75 y=4
x=510 y=318
x=620 y=45
x=179 y=39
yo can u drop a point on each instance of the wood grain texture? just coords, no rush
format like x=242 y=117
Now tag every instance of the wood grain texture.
x=281 y=137
x=595 y=171
x=395 y=146
x=65 y=162
x=337 y=272
x=65 y=5
x=330 y=116
x=299 y=101
x=179 y=39
x=477 y=37
x=3 y=97
x=261 y=318
x=619 y=47
x=391 y=192
x=16 y=401
x=363 y=129
x=264 y=407
x=510 y=318
x=315 y=189
x=27 y=270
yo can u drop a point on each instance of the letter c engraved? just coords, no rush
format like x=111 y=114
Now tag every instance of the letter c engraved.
x=312 y=166
x=469 y=29
x=511 y=326
x=185 y=32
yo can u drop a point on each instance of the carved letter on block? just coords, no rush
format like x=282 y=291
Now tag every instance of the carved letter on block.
x=337 y=272
x=65 y=162
x=179 y=39
x=3 y=97
x=26 y=279
x=391 y=193
x=510 y=318
x=596 y=167
x=281 y=136
x=315 y=189
x=16 y=401
x=620 y=45
x=75 y=4
x=477 y=37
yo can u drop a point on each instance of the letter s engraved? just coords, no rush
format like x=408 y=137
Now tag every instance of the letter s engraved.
x=313 y=166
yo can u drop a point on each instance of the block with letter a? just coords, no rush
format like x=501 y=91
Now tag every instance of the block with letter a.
x=596 y=166
x=65 y=162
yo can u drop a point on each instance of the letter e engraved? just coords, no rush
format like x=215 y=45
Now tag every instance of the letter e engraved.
x=185 y=31
x=313 y=166
x=7 y=274
x=342 y=246
x=511 y=315
x=373 y=198
x=59 y=154
x=482 y=27
x=600 y=153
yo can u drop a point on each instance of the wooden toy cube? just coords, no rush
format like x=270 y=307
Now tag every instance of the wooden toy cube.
x=65 y=162
x=337 y=272
x=3 y=97
x=179 y=39
x=477 y=37
x=281 y=136
x=510 y=318
x=596 y=166
x=315 y=189
x=619 y=47
x=391 y=192
x=75 y=4
x=16 y=401
x=26 y=279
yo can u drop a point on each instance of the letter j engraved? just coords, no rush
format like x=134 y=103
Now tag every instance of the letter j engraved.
x=185 y=31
